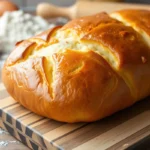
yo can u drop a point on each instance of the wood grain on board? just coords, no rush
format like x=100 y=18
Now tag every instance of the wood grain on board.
x=118 y=131
x=8 y=142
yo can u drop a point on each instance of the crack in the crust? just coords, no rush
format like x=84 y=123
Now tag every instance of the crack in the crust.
x=49 y=74
x=125 y=22
x=84 y=46
x=74 y=44
x=36 y=44
x=144 y=37
x=76 y=68
x=70 y=40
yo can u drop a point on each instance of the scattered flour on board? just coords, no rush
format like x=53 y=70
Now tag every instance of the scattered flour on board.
x=4 y=143
x=3 y=131
x=16 y=26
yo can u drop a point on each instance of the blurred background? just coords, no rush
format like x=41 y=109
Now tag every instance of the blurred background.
x=32 y=3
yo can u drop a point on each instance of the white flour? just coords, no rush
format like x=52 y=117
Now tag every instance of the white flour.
x=3 y=131
x=4 y=143
x=17 y=25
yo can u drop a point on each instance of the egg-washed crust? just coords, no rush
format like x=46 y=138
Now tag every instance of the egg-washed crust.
x=74 y=85
x=136 y=18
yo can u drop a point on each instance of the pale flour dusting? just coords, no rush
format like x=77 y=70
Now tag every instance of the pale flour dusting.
x=16 y=26
x=5 y=143
x=3 y=131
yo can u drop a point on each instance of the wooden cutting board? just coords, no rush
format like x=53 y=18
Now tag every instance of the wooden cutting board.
x=116 y=132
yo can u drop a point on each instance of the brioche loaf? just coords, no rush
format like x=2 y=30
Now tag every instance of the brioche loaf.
x=86 y=70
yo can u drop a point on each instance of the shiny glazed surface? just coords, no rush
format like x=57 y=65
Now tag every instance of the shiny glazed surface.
x=84 y=71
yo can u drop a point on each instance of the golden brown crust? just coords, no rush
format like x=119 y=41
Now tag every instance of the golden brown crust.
x=25 y=48
x=139 y=18
x=80 y=93
x=71 y=77
x=46 y=35
x=130 y=49
x=86 y=24
x=122 y=41
x=116 y=36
